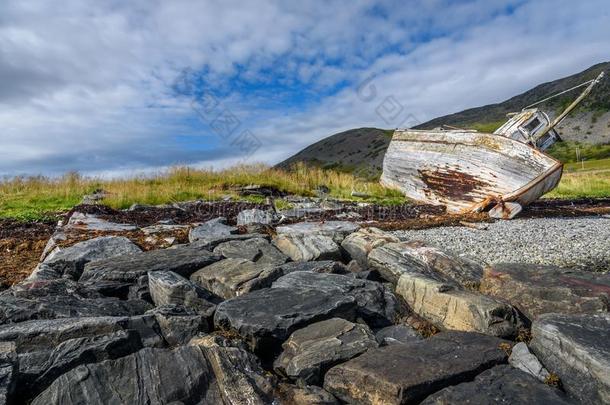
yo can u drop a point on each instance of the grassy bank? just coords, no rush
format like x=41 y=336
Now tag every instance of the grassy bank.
x=566 y=151
x=35 y=197
x=585 y=179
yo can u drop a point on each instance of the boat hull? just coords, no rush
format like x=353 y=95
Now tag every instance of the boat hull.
x=467 y=170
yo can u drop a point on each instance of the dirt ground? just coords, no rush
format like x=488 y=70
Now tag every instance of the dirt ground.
x=22 y=243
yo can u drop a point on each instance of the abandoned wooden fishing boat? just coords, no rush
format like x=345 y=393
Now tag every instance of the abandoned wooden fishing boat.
x=471 y=171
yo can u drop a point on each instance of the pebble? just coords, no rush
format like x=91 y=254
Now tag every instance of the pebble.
x=582 y=242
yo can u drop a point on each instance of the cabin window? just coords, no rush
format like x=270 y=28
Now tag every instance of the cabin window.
x=533 y=124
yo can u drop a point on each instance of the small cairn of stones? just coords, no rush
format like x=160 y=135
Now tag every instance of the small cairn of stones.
x=310 y=313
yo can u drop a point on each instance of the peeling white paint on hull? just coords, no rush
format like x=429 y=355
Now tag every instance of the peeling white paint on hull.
x=467 y=170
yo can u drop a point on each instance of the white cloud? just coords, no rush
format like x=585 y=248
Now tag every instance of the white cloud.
x=86 y=86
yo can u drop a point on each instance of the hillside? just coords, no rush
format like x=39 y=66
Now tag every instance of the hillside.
x=361 y=150
x=358 y=151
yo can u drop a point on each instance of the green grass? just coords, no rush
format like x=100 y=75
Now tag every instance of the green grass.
x=588 y=165
x=488 y=127
x=566 y=151
x=30 y=198
x=35 y=198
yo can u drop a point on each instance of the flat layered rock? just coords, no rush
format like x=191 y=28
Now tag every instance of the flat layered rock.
x=211 y=230
x=320 y=266
x=43 y=334
x=499 y=385
x=230 y=278
x=397 y=334
x=266 y=318
x=211 y=242
x=188 y=374
x=238 y=374
x=69 y=262
x=90 y=222
x=62 y=298
x=288 y=394
x=164 y=228
x=183 y=260
x=306 y=247
x=394 y=259
x=48 y=348
x=38 y=369
x=255 y=216
x=257 y=250
x=408 y=373
x=524 y=360
x=359 y=244
x=377 y=306
x=310 y=351
x=576 y=348
x=336 y=230
x=448 y=307
x=178 y=324
x=8 y=369
x=169 y=288
x=536 y=289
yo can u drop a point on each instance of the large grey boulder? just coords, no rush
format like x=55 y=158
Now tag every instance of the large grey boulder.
x=577 y=349
x=255 y=216
x=359 y=244
x=310 y=351
x=377 y=306
x=320 y=266
x=536 y=289
x=230 y=278
x=211 y=230
x=449 y=307
x=43 y=334
x=266 y=318
x=62 y=298
x=257 y=250
x=499 y=385
x=521 y=358
x=189 y=375
x=178 y=324
x=408 y=373
x=238 y=375
x=69 y=262
x=48 y=348
x=8 y=362
x=394 y=259
x=397 y=334
x=183 y=260
x=304 y=248
x=336 y=230
x=167 y=288
x=211 y=242
x=39 y=369
x=233 y=277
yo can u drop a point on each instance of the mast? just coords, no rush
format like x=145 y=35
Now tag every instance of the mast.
x=571 y=107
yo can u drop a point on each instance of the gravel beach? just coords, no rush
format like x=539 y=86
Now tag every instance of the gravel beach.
x=568 y=242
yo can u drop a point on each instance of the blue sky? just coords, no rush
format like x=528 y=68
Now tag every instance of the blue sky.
x=117 y=87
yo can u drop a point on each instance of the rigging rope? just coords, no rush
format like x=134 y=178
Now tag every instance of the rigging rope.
x=559 y=94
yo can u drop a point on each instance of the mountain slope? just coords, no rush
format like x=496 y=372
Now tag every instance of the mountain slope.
x=588 y=123
x=361 y=150
x=357 y=150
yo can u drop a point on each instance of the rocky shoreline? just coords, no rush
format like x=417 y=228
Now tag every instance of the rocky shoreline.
x=260 y=310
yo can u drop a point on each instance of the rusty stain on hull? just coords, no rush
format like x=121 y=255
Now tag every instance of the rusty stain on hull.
x=451 y=183
x=467 y=171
